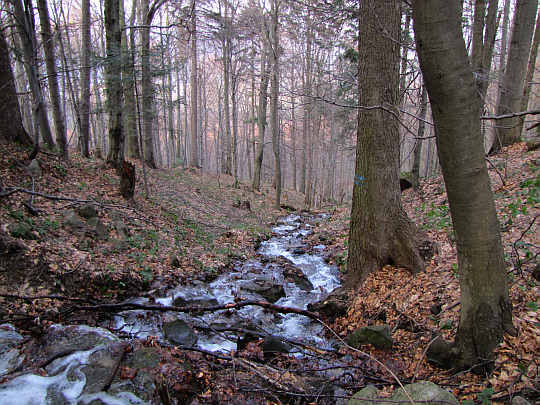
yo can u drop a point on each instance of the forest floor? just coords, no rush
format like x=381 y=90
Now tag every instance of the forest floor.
x=193 y=225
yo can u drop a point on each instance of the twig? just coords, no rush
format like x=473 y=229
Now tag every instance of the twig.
x=497 y=170
x=455 y=304
x=420 y=360
x=162 y=390
x=52 y=297
x=114 y=370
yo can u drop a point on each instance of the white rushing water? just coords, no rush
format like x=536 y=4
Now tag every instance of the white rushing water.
x=288 y=243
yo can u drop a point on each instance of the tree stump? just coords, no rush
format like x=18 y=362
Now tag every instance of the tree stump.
x=127 y=180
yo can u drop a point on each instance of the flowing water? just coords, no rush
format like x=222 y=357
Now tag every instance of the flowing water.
x=287 y=242
x=69 y=379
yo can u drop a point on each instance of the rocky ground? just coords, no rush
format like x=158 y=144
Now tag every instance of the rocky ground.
x=59 y=253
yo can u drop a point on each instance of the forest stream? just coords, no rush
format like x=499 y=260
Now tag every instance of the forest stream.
x=284 y=274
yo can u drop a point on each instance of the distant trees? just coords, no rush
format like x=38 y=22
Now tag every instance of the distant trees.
x=509 y=129
x=197 y=81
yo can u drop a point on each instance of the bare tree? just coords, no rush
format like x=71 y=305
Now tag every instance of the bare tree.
x=115 y=97
x=52 y=77
x=509 y=129
x=11 y=127
x=27 y=33
x=486 y=310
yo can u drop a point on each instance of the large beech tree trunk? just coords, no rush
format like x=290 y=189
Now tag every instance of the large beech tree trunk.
x=115 y=96
x=381 y=233
x=486 y=311
x=261 y=112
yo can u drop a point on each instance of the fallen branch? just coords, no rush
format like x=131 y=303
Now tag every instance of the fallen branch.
x=196 y=309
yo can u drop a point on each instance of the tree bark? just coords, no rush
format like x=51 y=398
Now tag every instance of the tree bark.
x=530 y=70
x=509 y=129
x=84 y=106
x=261 y=111
x=381 y=233
x=52 y=78
x=128 y=49
x=27 y=34
x=194 y=155
x=274 y=90
x=486 y=311
x=115 y=96
x=417 y=157
x=11 y=126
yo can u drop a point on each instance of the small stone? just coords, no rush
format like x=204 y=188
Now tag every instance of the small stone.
x=88 y=210
x=175 y=262
x=520 y=401
x=115 y=215
x=34 y=168
x=273 y=345
x=118 y=244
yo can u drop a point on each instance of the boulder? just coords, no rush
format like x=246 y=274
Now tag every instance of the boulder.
x=10 y=361
x=21 y=229
x=205 y=301
x=333 y=306
x=425 y=393
x=378 y=336
x=272 y=345
x=71 y=220
x=121 y=229
x=88 y=210
x=72 y=338
x=180 y=333
x=421 y=393
x=533 y=144
x=98 y=227
x=270 y=290
x=297 y=276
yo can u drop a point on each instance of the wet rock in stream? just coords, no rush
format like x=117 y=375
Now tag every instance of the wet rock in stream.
x=180 y=333
x=270 y=290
